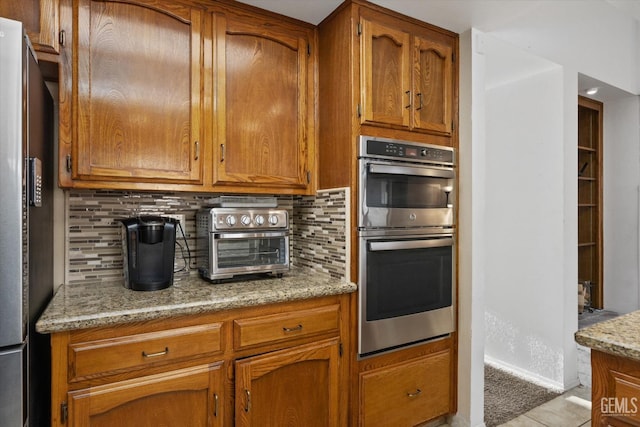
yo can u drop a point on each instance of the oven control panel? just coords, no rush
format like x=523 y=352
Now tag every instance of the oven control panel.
x=404 y=150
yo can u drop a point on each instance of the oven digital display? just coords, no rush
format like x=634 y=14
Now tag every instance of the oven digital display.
x=411 y=152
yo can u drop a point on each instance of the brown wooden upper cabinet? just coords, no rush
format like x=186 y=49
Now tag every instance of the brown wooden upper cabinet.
x=40 y=19
x=265 y=103
x=407 y=78
x=190 y=96
x=131 y=92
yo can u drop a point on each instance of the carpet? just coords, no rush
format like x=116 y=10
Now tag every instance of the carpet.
x=507 y=397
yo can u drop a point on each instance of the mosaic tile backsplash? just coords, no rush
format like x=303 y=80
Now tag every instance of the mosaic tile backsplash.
x=319 y=227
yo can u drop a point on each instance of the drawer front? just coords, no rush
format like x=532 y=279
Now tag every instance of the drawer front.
x=285 y=326
x=407 y=394
x=101 y=357
x=626 y=401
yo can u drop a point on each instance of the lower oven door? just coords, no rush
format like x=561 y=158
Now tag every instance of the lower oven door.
x=406 y=290
x=234 y=254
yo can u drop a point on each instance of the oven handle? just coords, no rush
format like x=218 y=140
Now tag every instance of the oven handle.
x=245 y=235
x=411 y=170
x=409 y=244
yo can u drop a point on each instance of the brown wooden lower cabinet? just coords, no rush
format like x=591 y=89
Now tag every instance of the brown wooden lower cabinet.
x=408 y=393
x=186 y=397
x=615 y=393
x=293 y=387
x=182 y=371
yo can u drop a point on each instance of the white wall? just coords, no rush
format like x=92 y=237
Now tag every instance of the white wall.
x=621 y=153
x=471 y=235
x=589 y=36
x=524 y=213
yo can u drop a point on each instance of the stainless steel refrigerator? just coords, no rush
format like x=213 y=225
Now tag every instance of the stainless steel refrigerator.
x=26 y=231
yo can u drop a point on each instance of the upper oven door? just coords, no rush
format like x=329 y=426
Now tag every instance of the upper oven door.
x=401 y=194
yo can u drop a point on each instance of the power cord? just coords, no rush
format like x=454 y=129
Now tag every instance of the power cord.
x=187 y=259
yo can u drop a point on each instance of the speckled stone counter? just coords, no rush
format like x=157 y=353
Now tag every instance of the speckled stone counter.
x=619 y=336
x=93 y=305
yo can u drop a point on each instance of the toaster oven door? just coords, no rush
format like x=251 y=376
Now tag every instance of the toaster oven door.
x=247 y=253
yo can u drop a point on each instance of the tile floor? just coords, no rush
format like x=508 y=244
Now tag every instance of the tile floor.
x=571 y=409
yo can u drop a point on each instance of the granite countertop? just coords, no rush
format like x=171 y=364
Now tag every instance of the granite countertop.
x=104 y=304
x=619 y=336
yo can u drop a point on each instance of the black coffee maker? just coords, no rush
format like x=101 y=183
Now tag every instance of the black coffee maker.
x=148 y=245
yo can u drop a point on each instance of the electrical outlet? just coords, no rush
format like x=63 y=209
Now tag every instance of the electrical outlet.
x=179 y=217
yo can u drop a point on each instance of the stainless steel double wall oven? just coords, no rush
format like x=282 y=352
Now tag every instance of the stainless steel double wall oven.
x=406 y=243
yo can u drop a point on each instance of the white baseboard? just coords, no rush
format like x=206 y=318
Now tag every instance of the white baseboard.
x=528 y=376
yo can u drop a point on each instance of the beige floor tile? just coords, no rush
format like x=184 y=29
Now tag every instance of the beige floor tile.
x=580 y=391
x=522 y=421
x=560 y=412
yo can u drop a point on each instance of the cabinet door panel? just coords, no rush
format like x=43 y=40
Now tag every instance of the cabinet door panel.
x=433 y=85
x=138 y=84
x=297 y=386
x=386 y=74
x=262 y=128
x=40 y=19
x=188 y=397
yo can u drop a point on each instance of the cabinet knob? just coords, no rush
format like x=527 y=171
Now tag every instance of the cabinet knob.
x=415 y=393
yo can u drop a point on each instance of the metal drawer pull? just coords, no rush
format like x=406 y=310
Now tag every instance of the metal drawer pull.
x=215 y=404
x=247 y=405
x=295 y=329
x=160 y=353
x=415 y=393
x=408 y=93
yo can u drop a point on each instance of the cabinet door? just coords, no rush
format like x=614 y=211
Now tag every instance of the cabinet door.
x=40 y=19
x=386 y=75
x=297 y=386
x=264 y=102
x=433 y=85
x=187 y=397
x=136 y=77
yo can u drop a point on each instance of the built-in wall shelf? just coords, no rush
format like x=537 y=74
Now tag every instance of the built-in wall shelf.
x=590 y=197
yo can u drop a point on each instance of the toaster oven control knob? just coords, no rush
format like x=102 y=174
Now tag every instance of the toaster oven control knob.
x=259 y=220
x=273 y=220
x=245 y=220
x=231 y=220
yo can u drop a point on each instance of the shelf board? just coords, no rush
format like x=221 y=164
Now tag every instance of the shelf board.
x=585 y=148
x=586 y=178
x=587 y=205
x=585 y=245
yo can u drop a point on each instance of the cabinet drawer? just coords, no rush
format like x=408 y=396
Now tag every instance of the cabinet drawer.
x=285 y=326
x=625 y=399
x=101 y=357
x=407 y=394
